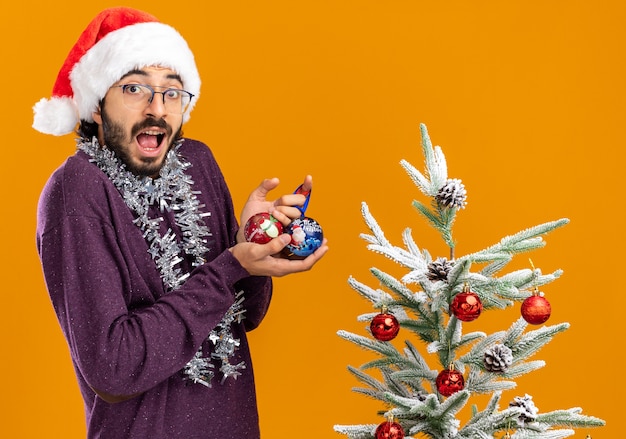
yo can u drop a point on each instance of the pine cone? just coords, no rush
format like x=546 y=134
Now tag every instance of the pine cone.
x=420 y=396
x=452 y=194
x=498 y=358
x=439 y=269
x=530 y=410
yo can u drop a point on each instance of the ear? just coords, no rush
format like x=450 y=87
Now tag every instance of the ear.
x=97 y=116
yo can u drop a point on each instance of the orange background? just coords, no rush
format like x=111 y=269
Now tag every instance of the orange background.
x=525 y=97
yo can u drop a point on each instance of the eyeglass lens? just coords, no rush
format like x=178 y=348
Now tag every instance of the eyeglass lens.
x=138 y=97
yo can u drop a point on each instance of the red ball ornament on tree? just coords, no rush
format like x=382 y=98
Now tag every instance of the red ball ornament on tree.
x=466 y=305
x=450 y=381
x=262 y=228
x=536 y=309
x=389 y=430
x=384 y=326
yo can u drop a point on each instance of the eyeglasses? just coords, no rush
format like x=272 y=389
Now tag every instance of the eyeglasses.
x=139 y=96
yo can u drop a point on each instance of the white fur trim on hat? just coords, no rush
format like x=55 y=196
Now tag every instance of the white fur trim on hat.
x=56 y=116
x=131 y=47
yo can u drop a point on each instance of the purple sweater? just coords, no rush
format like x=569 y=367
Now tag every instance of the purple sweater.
x=126 y=335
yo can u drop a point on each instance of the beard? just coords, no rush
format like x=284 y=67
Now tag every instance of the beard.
x=115 y=139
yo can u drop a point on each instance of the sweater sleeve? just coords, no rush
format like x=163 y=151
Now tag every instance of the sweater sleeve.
x=117 y=350
x=257 y=289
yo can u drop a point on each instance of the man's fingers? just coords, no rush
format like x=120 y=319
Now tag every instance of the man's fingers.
x=285 y=214
x=306 y=186
x=264 y=188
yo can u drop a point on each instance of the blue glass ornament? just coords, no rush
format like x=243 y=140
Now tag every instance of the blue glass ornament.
x=306 y=237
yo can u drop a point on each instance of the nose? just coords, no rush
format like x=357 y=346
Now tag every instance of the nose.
x=156 y=107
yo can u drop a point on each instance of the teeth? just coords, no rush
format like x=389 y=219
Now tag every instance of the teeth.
x=152 y=133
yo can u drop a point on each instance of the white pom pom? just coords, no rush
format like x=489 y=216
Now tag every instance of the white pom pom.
x=57 y=116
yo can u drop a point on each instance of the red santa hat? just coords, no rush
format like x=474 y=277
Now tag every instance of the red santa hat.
x=117 y=41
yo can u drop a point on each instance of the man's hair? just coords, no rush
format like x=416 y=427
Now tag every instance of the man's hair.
x=87 y=130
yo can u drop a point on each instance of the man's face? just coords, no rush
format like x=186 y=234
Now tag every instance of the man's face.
x=141 y=137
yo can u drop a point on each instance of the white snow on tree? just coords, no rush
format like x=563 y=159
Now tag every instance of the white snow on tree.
x=421 y=301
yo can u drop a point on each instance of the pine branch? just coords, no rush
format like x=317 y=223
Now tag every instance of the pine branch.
x=533 y=341
x=380 y=244
x=416 y=375
x=357 y=431
x=477 y=352
x=425 y=330
x=430 y=416
x=446 y=217
x=525 y=240
x=414 y=355
x=383 y=348
x=485 y=420
x=486 y=382
x=569 y=418
x=367 y=379
x=552 y=434
x=399 y=288
x=436 y=167
x=522 y=368
x=541 y=434
x=377 y=297
x=412 y=247
x=399 y=387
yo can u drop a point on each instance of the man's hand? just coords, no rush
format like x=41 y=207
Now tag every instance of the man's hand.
x=283 y=208
x=263 y=259
x=259 y=259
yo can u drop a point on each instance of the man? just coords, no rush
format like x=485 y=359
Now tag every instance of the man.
x=152 y=282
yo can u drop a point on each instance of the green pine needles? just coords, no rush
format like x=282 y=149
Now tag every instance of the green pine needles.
x=420 y=301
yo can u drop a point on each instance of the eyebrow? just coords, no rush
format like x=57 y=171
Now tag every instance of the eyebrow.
x=174 y=76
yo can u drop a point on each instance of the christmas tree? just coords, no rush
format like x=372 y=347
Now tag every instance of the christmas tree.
x=430 y=303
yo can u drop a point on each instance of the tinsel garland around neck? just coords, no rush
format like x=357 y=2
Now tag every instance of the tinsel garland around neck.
x=173 y=191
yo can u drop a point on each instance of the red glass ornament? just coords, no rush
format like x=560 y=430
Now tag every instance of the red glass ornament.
x=466 y=305
x=536 y=309
x=262 y=228
x=450 y=381
x=389 y=430
x=384 y=326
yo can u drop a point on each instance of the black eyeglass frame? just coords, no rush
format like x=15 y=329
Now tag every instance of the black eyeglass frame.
x=153 y=91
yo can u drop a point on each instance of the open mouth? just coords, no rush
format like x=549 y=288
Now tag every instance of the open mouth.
x=150 y=140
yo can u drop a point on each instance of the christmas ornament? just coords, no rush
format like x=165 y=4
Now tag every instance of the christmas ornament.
x=449 y=381
x=306 y=237
x=439 y=269
x=498 y=358
x=536 y=309
x=466 y=306
x=389 y=430
x=452 y=194
x=384 y=326
x=262 y=228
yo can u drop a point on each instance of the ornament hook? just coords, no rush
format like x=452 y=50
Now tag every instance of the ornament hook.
x=535 y=288
x=300 y=191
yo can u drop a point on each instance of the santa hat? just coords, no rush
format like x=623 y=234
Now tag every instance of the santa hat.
x=117 y=41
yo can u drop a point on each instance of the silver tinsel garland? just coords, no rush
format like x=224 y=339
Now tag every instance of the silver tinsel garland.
x=173 y=191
